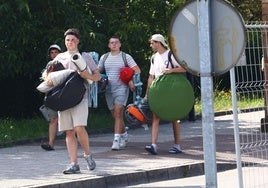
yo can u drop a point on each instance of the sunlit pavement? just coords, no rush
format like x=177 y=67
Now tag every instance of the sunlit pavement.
x=30 y=166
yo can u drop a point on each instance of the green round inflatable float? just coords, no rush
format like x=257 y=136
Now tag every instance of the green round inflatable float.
x=171 y=96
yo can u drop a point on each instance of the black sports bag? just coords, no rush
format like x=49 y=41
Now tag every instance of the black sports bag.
x=66 y=95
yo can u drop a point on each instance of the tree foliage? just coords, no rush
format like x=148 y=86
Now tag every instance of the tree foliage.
x=28 y=27
x=249 y=9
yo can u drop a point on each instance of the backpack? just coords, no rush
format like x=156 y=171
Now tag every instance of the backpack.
x=66 y=95
x=95 y=56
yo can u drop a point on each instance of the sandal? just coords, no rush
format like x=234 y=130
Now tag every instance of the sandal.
x=47 y=147
x=174 y=150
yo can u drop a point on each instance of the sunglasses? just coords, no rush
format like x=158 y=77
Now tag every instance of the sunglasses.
x=114 y=42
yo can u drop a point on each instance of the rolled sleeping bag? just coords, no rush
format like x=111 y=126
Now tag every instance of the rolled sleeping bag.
x=59 y=77
x=80 y=63
x=43 y=87
x=56 y=78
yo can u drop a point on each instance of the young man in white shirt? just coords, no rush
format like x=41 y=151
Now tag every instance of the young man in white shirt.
x=160 y=65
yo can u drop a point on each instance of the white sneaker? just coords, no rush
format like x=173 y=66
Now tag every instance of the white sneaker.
x=116 y=145
x=123 y=142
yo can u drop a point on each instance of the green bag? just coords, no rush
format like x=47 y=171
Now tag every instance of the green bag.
x=171 y=96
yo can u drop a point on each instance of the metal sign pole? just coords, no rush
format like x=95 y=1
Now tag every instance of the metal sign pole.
x=207 y=37
x=208 y=124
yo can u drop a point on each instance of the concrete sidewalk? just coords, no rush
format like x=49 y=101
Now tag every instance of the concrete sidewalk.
x=225 y=179
x=30 y=166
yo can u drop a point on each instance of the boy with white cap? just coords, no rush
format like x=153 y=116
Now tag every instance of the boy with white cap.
x=160 y=65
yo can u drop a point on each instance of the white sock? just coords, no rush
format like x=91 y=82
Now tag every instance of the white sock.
x=155 y=146
x=86 y=155
x=177 y=146
x=117 y=137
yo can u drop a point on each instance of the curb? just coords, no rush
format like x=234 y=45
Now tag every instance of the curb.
x=139 y=177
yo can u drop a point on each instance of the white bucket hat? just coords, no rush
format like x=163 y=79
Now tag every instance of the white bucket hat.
x=159 y=38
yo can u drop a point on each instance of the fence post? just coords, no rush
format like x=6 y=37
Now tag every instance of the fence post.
x=264 y=121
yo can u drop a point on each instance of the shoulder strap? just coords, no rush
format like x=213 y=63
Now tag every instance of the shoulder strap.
x=152 y=59
x=170 y=59
x=104 y=59
x=124 y=56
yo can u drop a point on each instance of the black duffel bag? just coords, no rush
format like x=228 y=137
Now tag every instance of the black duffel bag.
x=66 y=95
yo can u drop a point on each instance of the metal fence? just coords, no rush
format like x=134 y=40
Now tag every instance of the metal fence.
x=251 y=109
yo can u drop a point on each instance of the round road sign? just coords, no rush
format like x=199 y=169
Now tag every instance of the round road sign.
x=227 y=31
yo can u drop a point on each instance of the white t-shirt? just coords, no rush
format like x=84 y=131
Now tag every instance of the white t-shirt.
x=160 y=63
